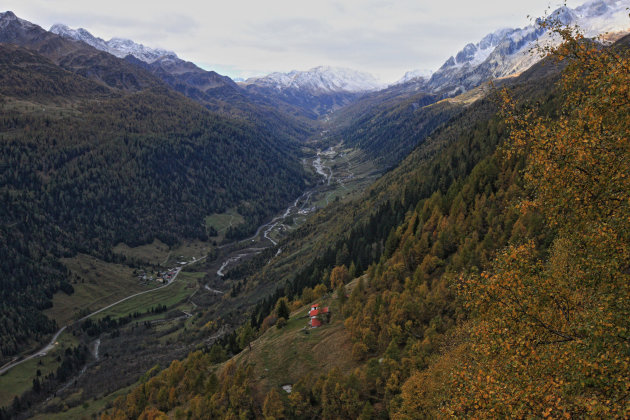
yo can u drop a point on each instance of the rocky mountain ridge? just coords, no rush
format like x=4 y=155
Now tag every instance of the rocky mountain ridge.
x=119 y=47
x=509 y=51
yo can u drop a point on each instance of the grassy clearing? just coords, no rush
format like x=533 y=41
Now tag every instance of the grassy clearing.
x=222 y=221
x=159 y=254
x=101 y=284
x=184 y=286
x=20 y=379
x=281 y=357
x=49 y=110
x=154 y=253
x=87 y=410
x=188 y=251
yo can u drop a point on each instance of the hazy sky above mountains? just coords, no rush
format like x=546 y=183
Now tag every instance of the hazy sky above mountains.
x=253 y=37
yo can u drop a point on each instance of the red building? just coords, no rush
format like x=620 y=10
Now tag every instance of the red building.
x=316 y=314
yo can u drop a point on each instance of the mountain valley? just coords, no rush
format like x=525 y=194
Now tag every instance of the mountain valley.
x=316 y=244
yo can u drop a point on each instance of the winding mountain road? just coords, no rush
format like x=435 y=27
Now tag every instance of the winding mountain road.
x=268 y=228
x=296 y=207
x=44 y=350
x=41 y=352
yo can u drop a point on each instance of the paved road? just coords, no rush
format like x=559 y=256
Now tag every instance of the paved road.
x=133 y=296
x=268 y=227
x=43 y=351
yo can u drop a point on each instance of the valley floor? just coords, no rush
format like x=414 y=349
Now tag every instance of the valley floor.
x=201 y=282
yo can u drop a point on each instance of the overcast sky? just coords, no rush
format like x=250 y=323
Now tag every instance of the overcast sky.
x=253 y=37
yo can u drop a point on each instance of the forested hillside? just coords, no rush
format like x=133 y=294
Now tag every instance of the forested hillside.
x=389 y=133
x=84 y=167
x=389 y=124
x=502 y=288
x=220 y=94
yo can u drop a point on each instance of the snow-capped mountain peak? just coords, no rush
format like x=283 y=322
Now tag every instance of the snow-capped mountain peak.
x=79 y=35
x=119 y=47
x=599 y=16
x=9 y=18
x=322 y=79
x=475 y=54
x=507 y=51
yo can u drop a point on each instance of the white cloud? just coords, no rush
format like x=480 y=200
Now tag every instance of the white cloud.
x=386 y=38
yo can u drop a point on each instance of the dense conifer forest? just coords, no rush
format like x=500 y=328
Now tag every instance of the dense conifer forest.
x=85 y=167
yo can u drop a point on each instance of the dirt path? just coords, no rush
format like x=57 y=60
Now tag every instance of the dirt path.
x=215 y=291
x=167 y=257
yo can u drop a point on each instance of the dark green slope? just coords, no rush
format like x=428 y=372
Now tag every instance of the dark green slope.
x=83 y=167
x=28 y=75
x=391 y=123
x=155 y=162
x=388 y=135
x=220 y=94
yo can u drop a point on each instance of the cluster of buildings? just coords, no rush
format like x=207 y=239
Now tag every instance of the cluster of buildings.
x=163 y=277
x=166 y=276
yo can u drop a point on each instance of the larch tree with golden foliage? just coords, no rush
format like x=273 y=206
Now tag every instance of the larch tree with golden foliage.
x=549 y=330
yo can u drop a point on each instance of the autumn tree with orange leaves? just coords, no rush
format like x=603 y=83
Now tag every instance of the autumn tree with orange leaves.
x=549 y=331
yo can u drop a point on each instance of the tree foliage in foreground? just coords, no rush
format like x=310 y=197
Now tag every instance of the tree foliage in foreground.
x=549 y=334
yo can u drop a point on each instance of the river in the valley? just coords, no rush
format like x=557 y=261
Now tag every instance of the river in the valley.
x=268 y=234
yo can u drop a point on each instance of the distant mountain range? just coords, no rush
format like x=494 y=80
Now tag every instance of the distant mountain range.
x=415 y=102
x=119 y=47
x=307 y=93
x=322 y=79
x=156 y=60
x=320 y=90
x=76 y=57
x=183 y=76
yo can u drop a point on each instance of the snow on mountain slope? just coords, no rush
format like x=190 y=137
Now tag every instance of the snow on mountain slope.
x=415 y=75
x=116 y=46
x=8 y=18
x=508 y=51
x=207 y=87
x=599 y=16
x=322 y=79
